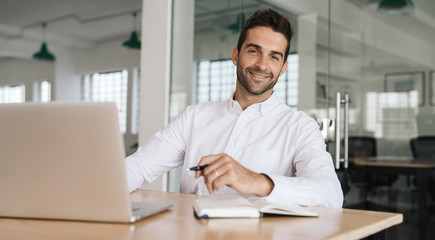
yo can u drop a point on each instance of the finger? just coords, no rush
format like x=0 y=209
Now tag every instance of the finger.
x=209 y=178
x=221 y=180
x=209 y=160
x=216 y=178
x=198 y=174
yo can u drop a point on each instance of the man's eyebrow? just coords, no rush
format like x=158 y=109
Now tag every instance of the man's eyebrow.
x=253 y=45
x=259 y=47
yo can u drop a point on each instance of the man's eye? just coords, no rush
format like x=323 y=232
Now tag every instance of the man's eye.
x=275 y=58
x=253 y=51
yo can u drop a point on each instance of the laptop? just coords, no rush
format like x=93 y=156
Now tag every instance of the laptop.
x=65 y=161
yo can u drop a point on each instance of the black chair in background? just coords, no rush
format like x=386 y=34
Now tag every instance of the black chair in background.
x=362 y=146
x=359 y=147
x=423 y=148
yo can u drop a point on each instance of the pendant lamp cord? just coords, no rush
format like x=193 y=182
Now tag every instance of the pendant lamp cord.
x=44 y=26
x=134 y=21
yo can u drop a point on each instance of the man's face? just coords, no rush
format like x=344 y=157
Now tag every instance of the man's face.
x=260 y=61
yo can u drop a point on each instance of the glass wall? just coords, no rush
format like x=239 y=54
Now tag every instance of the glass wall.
x=385 y=62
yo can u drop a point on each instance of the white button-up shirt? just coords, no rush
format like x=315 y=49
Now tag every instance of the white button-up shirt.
x=267 y=137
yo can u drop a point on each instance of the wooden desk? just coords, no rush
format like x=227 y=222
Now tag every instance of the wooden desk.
x=179 y=223
x=396 y=165
x=396 y=162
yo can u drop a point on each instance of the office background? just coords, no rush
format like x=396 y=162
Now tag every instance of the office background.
x=385 y=62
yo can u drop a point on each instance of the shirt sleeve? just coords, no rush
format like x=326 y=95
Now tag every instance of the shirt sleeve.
x=163 y=152
x=316 y=182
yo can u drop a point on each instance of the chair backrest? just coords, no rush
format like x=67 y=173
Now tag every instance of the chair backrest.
x=365 y=146
x=423 y=147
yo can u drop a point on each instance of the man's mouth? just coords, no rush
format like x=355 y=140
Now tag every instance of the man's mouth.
x=259 y=75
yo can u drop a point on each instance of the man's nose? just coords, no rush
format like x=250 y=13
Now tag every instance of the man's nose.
x=261 y=62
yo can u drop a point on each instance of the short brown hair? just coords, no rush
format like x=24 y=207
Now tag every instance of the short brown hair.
x=268 y=18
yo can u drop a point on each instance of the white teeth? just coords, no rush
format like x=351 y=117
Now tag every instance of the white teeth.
x=259 y=76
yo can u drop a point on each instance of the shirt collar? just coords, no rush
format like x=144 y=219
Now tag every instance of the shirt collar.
x=262 y=107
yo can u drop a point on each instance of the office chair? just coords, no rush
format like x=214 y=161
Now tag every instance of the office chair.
x=362 y=146
x=423 y=147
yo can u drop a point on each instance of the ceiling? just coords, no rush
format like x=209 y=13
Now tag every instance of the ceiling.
x=75 y=23
x=420 y=23
x=85 y=23
x=212 y=15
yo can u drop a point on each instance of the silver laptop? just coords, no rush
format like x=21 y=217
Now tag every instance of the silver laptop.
x=65 y=161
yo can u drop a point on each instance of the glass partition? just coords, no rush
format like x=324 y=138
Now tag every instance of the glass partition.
x=384 y=62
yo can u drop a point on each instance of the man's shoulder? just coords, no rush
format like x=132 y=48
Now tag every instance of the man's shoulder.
x=294 y=116
x=206 y=107
x=292 y=112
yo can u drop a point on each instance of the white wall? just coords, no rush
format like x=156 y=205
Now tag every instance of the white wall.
x=27 y=72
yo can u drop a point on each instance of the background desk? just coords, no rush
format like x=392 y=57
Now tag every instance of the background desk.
x=179 y=223
x=395 y=165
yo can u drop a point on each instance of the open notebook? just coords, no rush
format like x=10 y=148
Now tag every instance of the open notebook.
x=235 y=206
x=65 y=161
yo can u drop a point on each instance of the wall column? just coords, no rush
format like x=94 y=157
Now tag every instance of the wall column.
x=155 y=72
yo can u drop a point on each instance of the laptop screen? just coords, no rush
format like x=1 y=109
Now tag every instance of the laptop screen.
x=62 y=161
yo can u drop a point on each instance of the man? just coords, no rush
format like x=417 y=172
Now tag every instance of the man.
x=251 y=144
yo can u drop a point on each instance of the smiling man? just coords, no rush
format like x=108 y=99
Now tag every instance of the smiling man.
x=251 y=144
x=260 y=62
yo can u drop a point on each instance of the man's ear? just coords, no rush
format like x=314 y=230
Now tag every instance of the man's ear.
x=235 y=56
x=284 y=67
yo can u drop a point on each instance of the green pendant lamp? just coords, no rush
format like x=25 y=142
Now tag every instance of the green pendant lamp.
x=396 y=6
x=43 y=53
x=133 y=42
x=237 y=26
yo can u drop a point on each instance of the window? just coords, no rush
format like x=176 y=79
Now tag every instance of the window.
x=42 y=91
x=108 y=86
x=391 y=115
x=216 y=81
x=12 y=94
x=287 y=85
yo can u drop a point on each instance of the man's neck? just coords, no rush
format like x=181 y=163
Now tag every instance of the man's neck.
x=246 y=99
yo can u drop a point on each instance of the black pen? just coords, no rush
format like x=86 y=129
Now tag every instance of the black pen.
x=197 y=168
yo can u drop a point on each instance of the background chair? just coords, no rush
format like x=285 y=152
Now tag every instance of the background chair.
x=363 y=146
x=423 y=148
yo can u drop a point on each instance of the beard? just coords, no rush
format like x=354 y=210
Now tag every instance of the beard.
x=243 y=78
